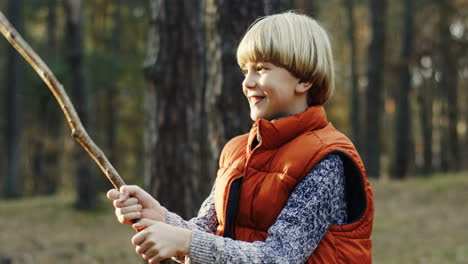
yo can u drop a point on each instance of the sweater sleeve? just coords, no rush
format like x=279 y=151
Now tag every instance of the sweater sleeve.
x=205 y=220
x=315 y=203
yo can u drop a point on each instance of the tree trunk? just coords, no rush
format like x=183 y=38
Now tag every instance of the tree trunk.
x=45 y=161
x=403 y=140
x=51 y=150
x=112 y=92
x=443 y=129
x=13 y=101
x=277 y=6
x=374 y=100
x=355 y=109
x=465 y=148
x=150 y=135
x=175 y=69
x=425 y=99
x=86 y=189
x=309 y=7
x=449 y=83
x=227 y=109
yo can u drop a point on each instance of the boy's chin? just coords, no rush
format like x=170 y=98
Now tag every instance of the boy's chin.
x=254 y=118
x=257 y=116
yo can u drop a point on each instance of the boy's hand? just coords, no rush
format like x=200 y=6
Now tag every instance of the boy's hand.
x=132 y=202
x=158 y=241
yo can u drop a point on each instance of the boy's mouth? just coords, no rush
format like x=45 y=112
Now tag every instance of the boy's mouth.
x=255 y=99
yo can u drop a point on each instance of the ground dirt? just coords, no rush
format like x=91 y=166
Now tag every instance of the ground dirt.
x=420 y=221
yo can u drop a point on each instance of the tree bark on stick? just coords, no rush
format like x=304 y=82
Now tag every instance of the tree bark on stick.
x=78 y=131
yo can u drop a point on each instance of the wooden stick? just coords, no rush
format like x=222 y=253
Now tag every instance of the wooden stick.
x=78 y=131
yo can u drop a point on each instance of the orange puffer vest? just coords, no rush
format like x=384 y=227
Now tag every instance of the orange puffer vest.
x=287 y=151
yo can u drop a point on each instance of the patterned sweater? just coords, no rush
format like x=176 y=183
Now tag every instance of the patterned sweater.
x=316 y=202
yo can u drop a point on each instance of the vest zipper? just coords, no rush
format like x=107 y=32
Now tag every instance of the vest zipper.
x=234 y=221
x=244 y=175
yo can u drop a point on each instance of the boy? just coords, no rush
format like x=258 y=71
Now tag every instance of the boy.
x=293 y=190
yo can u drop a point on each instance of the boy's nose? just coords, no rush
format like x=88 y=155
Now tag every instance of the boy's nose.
x=249 y=82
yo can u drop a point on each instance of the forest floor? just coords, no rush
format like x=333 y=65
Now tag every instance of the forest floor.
x=419 y=220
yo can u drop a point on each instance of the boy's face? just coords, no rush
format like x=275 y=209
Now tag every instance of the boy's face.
x=273 y=91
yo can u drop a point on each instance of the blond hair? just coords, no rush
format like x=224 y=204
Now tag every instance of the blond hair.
x=297 y=43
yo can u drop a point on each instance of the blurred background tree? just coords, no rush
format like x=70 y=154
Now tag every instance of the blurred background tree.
x=13 y=178
x=85 y=184
x=404 y=149
x=159 y=87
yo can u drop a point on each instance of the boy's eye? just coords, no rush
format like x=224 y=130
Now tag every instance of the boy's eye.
x=255 y=68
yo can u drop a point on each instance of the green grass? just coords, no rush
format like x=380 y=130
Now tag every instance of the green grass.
x=48 y=230
x=419 y=220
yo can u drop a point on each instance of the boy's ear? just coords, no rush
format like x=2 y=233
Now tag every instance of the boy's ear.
x=303 y=87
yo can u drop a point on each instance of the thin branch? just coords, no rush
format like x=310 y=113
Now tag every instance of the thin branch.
x=78 y=131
